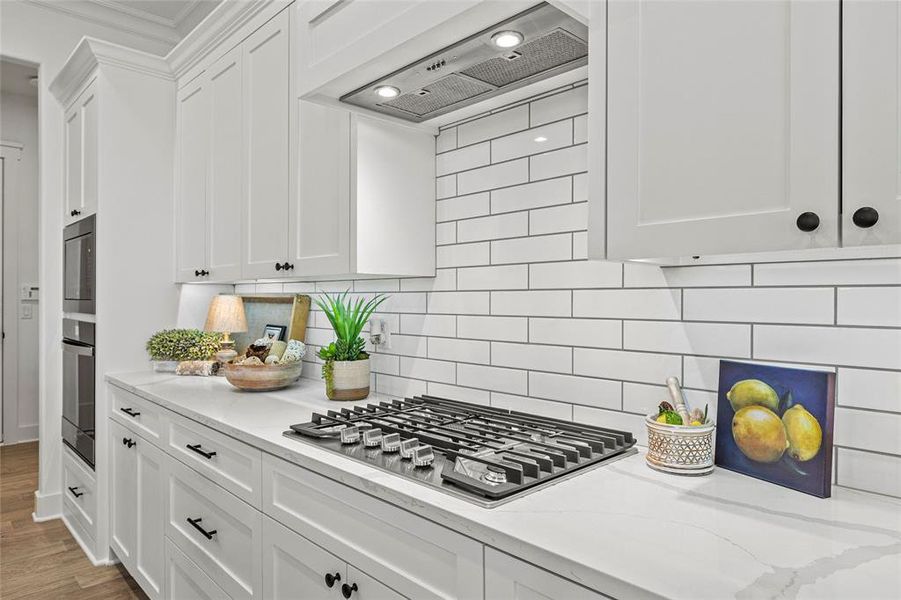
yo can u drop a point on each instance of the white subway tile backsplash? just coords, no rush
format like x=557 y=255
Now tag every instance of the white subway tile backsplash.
x=532 y=141
x=837 y=272
x=246 y=288
x=531 y=249
x=879 y=306
x=446 y=140
x=645 y=275
x=560 y=106
x=593 y=333
x=868 y=430
x=532 y=195
x=333 y=286
x=459 y=303
x=532 y=303
x=463 y=394
x=626 y=366
x=384 y=363
x=865 y=388
x=399 y=387
x=270 y=288
x=495 y=176
x=532 y=356
x=440 y=325
x=495 y=227
x=445 y=233
x=508 y=329
x=462 y=255
x=555 y=410
x=844 y=346
x=580 y=245
x=407 y=345
x=445 y=279
x=468 y=351
x=868 y=471
x=580 y=187
x=376 y=285
x=300 y=287
x=575 y=274
x=569 y=217
x=462 y=207
x=511 y=381
x=494 y=125
x=430 y=370
x=445 y=187
x=580 y=129
x=506 y=277
x=688 y=338
x=587 y=391
x=559 y=162
x=701 y=372
x=466 y=158
x=643 y=399
x=789 y=305
x=405 y=302
x=627 y=304
x=614 y=419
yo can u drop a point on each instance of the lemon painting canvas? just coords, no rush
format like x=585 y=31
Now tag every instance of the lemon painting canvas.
x=775 y=424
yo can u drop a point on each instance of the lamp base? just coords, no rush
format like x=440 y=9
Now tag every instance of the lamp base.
x=226 y=355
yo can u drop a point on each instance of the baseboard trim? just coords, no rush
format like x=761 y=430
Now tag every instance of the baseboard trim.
x=76 y=533
x=47 y=506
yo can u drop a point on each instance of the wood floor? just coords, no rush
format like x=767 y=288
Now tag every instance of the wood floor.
x=43 y=560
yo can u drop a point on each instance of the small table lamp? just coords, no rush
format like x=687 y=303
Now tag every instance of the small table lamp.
x=226 y=315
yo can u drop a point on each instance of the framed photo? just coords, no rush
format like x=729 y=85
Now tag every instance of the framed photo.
x=775 y=424
x=275 y=332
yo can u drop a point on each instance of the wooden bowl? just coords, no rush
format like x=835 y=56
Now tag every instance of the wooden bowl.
x=263 y=378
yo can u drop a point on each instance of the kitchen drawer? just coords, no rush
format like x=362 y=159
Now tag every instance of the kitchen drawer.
x=414 y=556
x=142 y=416
x=231 y=549
x=232 y=464
x=367 y=588
x=186 y=581
x=79 y=493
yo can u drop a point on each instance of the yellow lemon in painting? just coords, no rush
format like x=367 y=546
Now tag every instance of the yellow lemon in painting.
x=759 y=434
x=803 y=431
x=750 y=392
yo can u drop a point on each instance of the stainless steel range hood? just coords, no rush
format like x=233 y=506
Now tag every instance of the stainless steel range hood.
x=476 y=68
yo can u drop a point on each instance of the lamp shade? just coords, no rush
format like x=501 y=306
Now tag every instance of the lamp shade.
x=226 y=315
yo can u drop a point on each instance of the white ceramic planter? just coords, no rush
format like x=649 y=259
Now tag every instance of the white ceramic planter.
x=351 y=380
x=679 y=449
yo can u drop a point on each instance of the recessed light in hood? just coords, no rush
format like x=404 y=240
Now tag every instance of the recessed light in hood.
x=543 y=42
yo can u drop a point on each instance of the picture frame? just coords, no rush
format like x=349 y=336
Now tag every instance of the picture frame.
x=275 y=332
x=776 y=424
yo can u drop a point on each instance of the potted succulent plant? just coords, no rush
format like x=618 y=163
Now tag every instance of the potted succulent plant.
x=346 y=366
x=170 y=346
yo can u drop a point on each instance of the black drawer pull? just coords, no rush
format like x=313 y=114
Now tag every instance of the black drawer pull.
x=129 y=442
x=347 y=590
x=207 y=534
x=196 y=448
x=130 y=412
x=331 y=579
x=74 y=491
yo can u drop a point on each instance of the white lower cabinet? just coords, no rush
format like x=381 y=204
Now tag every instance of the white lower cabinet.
x=509 y=578
x=79 y=497
x=186 y=581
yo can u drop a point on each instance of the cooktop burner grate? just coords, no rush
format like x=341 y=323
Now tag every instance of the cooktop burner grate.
x=463 y=448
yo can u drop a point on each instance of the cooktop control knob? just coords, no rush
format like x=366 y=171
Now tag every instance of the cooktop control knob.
x=391 y=442
x=350 y=434
x=423 y=456
x=372 y=437
x=407 y=447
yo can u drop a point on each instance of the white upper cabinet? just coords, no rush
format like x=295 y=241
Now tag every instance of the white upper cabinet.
x=193 y=145
x=722 y=127
x=81 y=156
x=871 y=132
x=226 y=158
x=267 y=131
x=366 y=196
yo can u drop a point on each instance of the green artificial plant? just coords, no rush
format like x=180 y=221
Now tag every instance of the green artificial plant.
x=183 y=344
x=347 y=317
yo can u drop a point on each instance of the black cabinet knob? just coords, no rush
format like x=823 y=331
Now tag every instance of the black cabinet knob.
x=201 y=273
x=283 y=266
x=347 y=590
x=331 y=579
x=129 y=442
x=278 y=266
x=808 y=221
x=288 y=266
x=74 y=213
x=865 y=217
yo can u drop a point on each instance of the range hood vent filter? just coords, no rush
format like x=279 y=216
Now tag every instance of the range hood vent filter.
x=475 y=69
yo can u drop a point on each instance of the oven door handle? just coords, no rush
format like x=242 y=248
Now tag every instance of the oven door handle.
x=78 y=349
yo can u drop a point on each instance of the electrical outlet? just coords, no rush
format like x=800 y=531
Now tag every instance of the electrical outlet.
x=27 y=311
x=380 y=333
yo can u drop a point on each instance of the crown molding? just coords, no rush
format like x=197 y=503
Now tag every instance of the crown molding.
x=222 y=22
x=91 y=53
x=135 y=22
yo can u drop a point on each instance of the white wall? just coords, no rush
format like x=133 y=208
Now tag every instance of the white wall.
x=46 y=37
x=19 y=123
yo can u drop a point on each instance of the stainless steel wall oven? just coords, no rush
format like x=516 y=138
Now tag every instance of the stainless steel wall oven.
x=79 y=388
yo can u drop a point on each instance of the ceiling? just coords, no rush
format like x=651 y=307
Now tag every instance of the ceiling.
x=14 y=78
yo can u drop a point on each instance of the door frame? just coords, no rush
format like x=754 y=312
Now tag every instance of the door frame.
x=10 y=156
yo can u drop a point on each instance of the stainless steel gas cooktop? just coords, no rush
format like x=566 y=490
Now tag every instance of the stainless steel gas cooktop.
x=482 y=454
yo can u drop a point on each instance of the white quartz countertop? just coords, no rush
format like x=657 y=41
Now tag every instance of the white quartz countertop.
x=622 y=528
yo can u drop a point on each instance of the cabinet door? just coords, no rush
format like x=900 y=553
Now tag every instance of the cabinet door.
x=320 y=214
x=512 y=579
x=294 y=567
x=186 y=581
x=368 y=588
x=123 y=495
x=149 y=516
x=871 y=132
x=226 y=181
x=266 y=133
x=73 y=172
x=89 y=157
x=193 y=132
x=722 y=126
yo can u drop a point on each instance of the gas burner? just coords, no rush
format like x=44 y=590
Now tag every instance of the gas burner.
x=483 y=454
